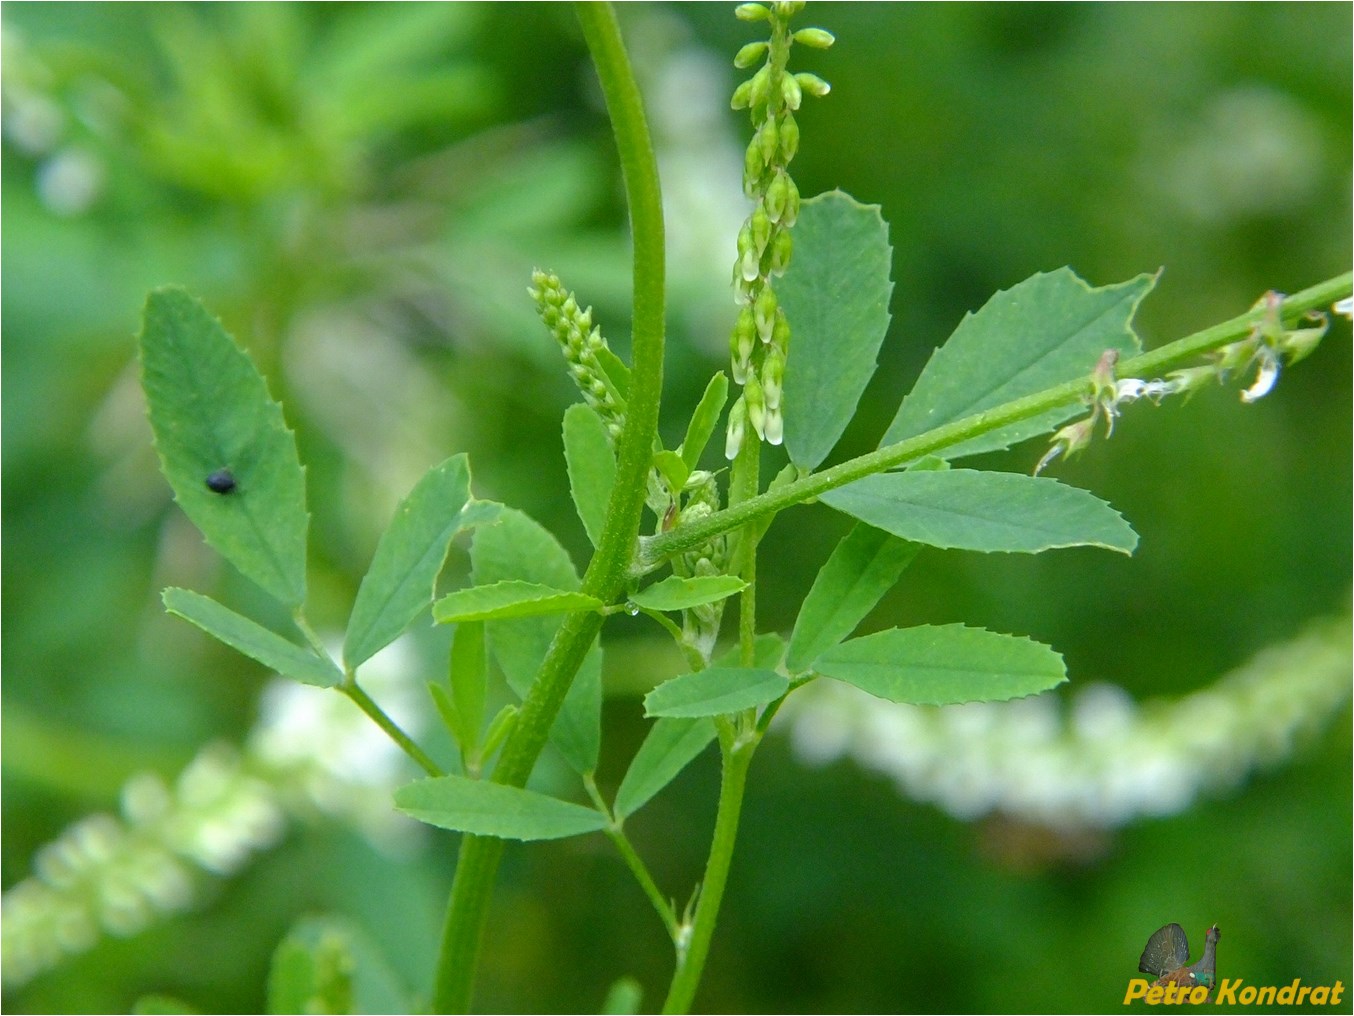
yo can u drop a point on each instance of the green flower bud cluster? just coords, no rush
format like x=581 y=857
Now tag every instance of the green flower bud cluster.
x=760 y=340
x=700 y=624
x=581 y=342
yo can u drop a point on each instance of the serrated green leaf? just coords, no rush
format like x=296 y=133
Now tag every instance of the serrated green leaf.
x=507 y=599
x=252 y=639
x=1049 y=329
x=591 y=464
x=518 y=548
x=492 y=809
x=667 y=749
x=677 y=593
x=210 y=410
x=941 y=665
x=836 y=296
x=403 y=573
x=714 y=692
x=704 y=420
x=863 y=567
x=968 y=509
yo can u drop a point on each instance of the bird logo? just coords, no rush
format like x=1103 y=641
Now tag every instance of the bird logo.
x=1167 y=954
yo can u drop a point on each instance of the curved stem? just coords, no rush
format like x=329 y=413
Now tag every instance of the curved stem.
x=1180 y=353
x=608 y=572
x=379 y=716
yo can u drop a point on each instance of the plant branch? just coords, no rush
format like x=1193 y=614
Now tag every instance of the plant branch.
x=655 y=549
x=737 y=750
x=378 y=716
x=607 y=574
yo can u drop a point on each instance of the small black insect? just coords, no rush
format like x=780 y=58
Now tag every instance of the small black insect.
x=221 y=482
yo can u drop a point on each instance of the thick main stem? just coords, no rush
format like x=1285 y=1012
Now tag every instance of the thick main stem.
x=607 y=574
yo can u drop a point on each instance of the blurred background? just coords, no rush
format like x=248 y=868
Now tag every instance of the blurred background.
x=360 y=192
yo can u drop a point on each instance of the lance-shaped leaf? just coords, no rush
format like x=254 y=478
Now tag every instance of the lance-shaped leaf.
x=968 y=509
x=591 y=464
x=714 y=692
x=252 y=639
x=492 y=809
x=835 y=295
x=1049 y=329
x=941 y=665
x=671 y=743
x=863 y=567
x=210 y=411
x=403 y=573
x=509 y=598
x=678 y=593
x=704 y=420
x=519 y=549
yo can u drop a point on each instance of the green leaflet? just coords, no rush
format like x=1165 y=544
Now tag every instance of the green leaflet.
x=210 y=410
x=1049 y=329
x=591 y=464
x=252 y=639
x=863 y=567
x=836 y=295
x=968 y=509
x=671 y=743
x=677 y=593
x=507 y=599
x=714 y=692
x=403 y=573
x=468 y=677
x=492 y=809
x=518 y=548
x=944 y=665
x=704 y=420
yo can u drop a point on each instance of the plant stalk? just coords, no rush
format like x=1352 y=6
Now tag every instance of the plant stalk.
x=655 y=549
x=737 y=749
x=608 y=572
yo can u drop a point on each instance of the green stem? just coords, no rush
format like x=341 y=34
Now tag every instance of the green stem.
x=608 y=572
x=737 y=750
x=655 y=549
x=378 y=715
x=616 y=833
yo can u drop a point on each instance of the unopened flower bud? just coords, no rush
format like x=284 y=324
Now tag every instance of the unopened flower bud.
x=789 y=137
x=778 y=195
x=742 y=96
x=767 y=140
x=781 y=248
x=761 y=85
x=780 y=333
x=764 y=312
x=786 y=9
x=773 y=377
x=751 y=12
x=815 y=38
x=752 y=168
x=756 y=404
x=741 y=342
x=790 y=90
x=733 y=441
x=749 y=54
x=774 y=428
x=761 y=228
x=813 y=84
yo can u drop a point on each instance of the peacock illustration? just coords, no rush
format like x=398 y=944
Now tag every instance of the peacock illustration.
x=1167 y=953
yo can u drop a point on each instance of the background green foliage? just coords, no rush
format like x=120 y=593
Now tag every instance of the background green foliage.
x=361 y=191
